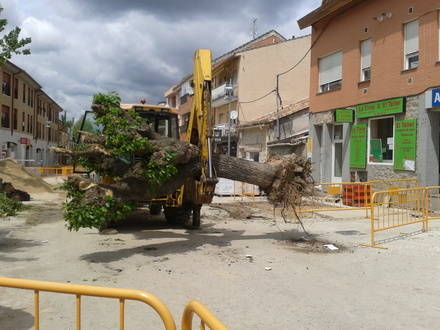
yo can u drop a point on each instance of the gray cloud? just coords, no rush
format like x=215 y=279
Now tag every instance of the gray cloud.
x=138 y=48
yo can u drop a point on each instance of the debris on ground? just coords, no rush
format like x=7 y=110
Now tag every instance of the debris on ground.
x=331 y=247
x=235 y=210
x=12 y=193
x=22 y=179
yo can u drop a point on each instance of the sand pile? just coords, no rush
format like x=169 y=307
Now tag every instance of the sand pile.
x=17 y=174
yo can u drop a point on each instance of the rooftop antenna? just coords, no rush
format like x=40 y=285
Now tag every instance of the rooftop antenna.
x=254 y=28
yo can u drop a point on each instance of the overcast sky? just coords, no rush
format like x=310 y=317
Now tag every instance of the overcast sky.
x=138 y=48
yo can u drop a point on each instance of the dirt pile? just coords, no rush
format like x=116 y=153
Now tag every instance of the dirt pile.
x=11 y=171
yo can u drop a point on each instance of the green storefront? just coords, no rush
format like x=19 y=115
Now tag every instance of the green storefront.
x=383 y=136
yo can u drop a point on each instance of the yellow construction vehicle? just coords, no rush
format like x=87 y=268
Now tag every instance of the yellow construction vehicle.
x=183 y=206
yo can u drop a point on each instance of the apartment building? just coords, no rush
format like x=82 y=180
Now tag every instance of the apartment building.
x=271 y=123
x=243 y=128
x=374 y=90
x=180 y=97
x=30 y=123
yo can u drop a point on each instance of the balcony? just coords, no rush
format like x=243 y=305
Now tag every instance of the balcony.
x=224 y=94
x=222 y=131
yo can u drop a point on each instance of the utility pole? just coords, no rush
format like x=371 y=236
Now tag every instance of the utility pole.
x=279 y=106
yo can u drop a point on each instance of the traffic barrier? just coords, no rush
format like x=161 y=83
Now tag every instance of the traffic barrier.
x=206 y=317
x=396 y=208
x=54 y=171
x=346 y=196
x=432 y=204
x=121 y=294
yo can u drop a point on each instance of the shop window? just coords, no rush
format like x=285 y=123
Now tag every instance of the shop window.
x=381 y=140
x=411 y=47
x=5 y=116
x=366 y=60
x=330 y=72
x=6 y=86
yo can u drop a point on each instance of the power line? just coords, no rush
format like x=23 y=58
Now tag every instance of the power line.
x=308 y=51
x=259 y=98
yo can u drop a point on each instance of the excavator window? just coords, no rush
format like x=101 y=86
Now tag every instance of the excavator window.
x=165 y=124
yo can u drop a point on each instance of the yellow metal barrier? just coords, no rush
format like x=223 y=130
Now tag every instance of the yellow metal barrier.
x=206 y=317
x=432 y=204
x=52 y=171
x=194 y=307
x=395 y=208
x=351 y=195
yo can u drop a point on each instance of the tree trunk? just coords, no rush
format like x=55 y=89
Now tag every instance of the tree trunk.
x=238 y=169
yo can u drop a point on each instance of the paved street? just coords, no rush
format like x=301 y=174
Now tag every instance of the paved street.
x=224 y=266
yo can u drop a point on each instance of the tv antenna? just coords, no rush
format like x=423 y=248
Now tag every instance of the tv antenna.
x=254 y=28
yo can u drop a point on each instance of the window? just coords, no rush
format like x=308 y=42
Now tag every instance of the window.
x=221 y=118
x=5 y=116
x=29 y=96
x=330 y=72
x=15 y=118
x=366 y=60
x=6 y=86
x=255 y=156
x=381 y=141
x=15 y=88
x=23 y=122
x=411 y=47
x=24 y=93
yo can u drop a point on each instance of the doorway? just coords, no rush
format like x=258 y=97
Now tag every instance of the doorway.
x=338 y=139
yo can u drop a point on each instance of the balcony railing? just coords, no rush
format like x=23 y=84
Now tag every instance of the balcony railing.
x=224 y=94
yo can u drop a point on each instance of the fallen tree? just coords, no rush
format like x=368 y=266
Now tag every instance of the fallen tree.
x=146 y=165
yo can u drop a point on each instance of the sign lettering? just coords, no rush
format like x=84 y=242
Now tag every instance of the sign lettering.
x=436 y=98
x=380 y=108
x=358 y=146
x=405 y=145
x=344 y=116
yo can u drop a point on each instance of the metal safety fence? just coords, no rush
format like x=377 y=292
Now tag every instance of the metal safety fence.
x=350 y=195
x=400 y=207
x=122 y=295
x=52 y=170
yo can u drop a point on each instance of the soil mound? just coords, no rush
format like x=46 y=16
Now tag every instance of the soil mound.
x=11 y=171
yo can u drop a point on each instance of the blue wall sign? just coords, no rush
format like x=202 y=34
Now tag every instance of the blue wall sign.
x=436 y=98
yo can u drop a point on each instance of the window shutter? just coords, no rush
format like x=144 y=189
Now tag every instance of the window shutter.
x=411 y=37
x=366 y=54
x=330 y=68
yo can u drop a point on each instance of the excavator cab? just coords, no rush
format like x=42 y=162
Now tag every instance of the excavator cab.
x=162 y=118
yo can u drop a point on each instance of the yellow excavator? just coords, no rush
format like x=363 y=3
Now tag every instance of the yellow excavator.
x=184 y=205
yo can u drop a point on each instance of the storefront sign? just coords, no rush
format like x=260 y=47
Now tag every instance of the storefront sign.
x=380 y=108
x=24 y=141
x=344 y=116
x=405 y=142
x=358 y=146
x=436 y=98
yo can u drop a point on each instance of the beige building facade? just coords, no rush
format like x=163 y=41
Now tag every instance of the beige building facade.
x=30 y=123
x=243 y=120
